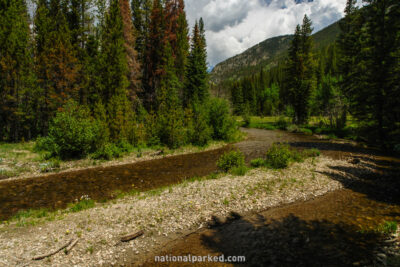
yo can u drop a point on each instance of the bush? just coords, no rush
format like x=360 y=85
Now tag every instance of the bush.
x=199 y=130
x=230 y=160
x=397 y=148
x=293 y=128
x=73 y=133
x=221 y=122
x=50 y=166
x=109 y=151
x=278 y=156
x=239 y=171
x=282 y=123
x=306 y=131
x=257 y=163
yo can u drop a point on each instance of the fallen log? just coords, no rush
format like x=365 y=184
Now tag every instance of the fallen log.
x=130 y=237
x=71 y=246
x=41 y=257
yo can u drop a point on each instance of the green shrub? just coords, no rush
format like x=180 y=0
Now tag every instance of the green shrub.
x=282 y=123
x=246 y=119
x=230 y=160
x=83 y=204
x=108 y=152
x=293 y=128
x=278 y=156
x=239 y=171
x=199 y=130
x=257 y=163
x=388 y=228
x=50 y=166
x=73 y=133
x=306 y=131
x=221 y=122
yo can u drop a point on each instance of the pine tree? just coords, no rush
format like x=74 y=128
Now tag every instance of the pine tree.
x=81 y=26
x=131 y=54
x=177 y=33
x=170 y=114
x=57 y=67
x=196 y=88
x=301 y=71
x=113 y=71
x=375 y=30
x=154 y=55
x=16 y=80
x=141 y=13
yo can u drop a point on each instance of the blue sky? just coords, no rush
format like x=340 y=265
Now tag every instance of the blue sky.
x=232 y=26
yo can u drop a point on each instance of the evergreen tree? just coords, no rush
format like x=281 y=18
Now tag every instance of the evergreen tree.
x=131 y=54
x=80 y=21
x=374 y=31
x=300 y=72
x=16 y=80
x=141 y=14
x=113 y=71
x=170 y=113
x=196 y=88
x=154 y=55
x=57 y=67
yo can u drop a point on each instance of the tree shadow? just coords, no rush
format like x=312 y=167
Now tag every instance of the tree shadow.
x=291 y=241
x=373 y=173
x=378 y=184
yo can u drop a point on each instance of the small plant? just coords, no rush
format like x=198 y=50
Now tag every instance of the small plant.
x=83 y=204
x=306 y=131
x=293 y=128
x=257 y=163
x=281 y=123
x=246 y=119
x=50 y=166
x=388 y=228
x=230 y=160
x=278 y=156
x=239 y=171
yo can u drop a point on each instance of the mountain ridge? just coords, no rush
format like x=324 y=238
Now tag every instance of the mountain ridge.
x=266 y=55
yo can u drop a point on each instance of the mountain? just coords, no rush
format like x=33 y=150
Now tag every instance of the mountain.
x=266 y=54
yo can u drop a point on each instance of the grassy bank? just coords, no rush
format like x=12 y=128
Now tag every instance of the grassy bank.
x=20 y=159
x=316 y=125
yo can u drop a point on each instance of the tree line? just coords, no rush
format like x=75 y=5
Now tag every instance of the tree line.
x=356 y=75
x=131 y=70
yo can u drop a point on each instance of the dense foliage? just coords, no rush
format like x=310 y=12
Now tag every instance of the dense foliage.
x=231 y=160
x=98 y=77
x=356 y=75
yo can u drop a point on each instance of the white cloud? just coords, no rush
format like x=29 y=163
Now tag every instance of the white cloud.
x=233 y=26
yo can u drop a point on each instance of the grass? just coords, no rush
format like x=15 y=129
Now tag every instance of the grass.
x=83 y=204
x=17 y=159
x=279 y=156
x=316 y=125
x=387 y=228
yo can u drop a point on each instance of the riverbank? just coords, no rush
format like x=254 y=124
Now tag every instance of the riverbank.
x=162 y=215
x=18 y=161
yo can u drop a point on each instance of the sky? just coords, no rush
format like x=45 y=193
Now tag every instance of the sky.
x=232 y=26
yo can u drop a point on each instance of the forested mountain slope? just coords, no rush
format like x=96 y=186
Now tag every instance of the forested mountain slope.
x=265 y=55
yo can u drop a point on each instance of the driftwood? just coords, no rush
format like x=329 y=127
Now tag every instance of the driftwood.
x=130 y=237
x=71 y=246
x=41 y=257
